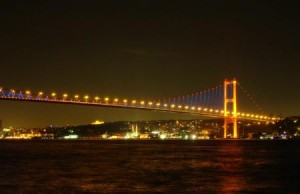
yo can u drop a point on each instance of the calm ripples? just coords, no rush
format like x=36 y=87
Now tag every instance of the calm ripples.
x=149 y=166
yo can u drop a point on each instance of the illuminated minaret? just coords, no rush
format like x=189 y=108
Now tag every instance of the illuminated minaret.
x=134 y=129
x=230 y=107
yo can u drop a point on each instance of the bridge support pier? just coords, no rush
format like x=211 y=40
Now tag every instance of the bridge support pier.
x=230 y=107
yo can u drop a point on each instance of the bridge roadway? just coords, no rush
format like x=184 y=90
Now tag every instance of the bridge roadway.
x=154 y=107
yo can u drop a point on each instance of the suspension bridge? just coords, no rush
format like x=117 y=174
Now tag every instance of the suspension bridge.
x=219 y=102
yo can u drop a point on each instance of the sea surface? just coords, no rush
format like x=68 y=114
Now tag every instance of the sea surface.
x=218 y=166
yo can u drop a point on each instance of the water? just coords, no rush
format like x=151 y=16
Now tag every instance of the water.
x=149 y=166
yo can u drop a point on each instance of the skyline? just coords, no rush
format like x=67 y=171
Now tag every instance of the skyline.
x=146 y=50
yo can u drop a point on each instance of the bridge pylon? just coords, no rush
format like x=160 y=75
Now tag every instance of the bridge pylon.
x=230 y=107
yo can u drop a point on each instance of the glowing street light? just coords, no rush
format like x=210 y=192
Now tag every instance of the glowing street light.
x=65 y=96
x=76 y=97
x=39 y=96
x=116 y=100
x=27 y=92
x=96 y=98
x=53 y=94
x=106 y=99
x=86 y=97
x=133 y=102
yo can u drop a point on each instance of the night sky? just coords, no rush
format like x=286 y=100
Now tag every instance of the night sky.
x=146 y=50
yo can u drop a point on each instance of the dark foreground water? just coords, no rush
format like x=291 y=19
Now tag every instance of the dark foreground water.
x=150 y=166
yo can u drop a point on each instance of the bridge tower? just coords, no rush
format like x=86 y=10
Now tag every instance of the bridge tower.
x=230 y=107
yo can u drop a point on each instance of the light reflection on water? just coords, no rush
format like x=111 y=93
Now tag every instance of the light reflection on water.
x=149 y=166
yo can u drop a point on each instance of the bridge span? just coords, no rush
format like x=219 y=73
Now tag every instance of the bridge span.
x=217 y=102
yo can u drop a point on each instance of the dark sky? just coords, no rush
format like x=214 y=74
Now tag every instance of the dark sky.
x=146 y=50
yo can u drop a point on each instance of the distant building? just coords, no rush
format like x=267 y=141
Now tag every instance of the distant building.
x=98 y=122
